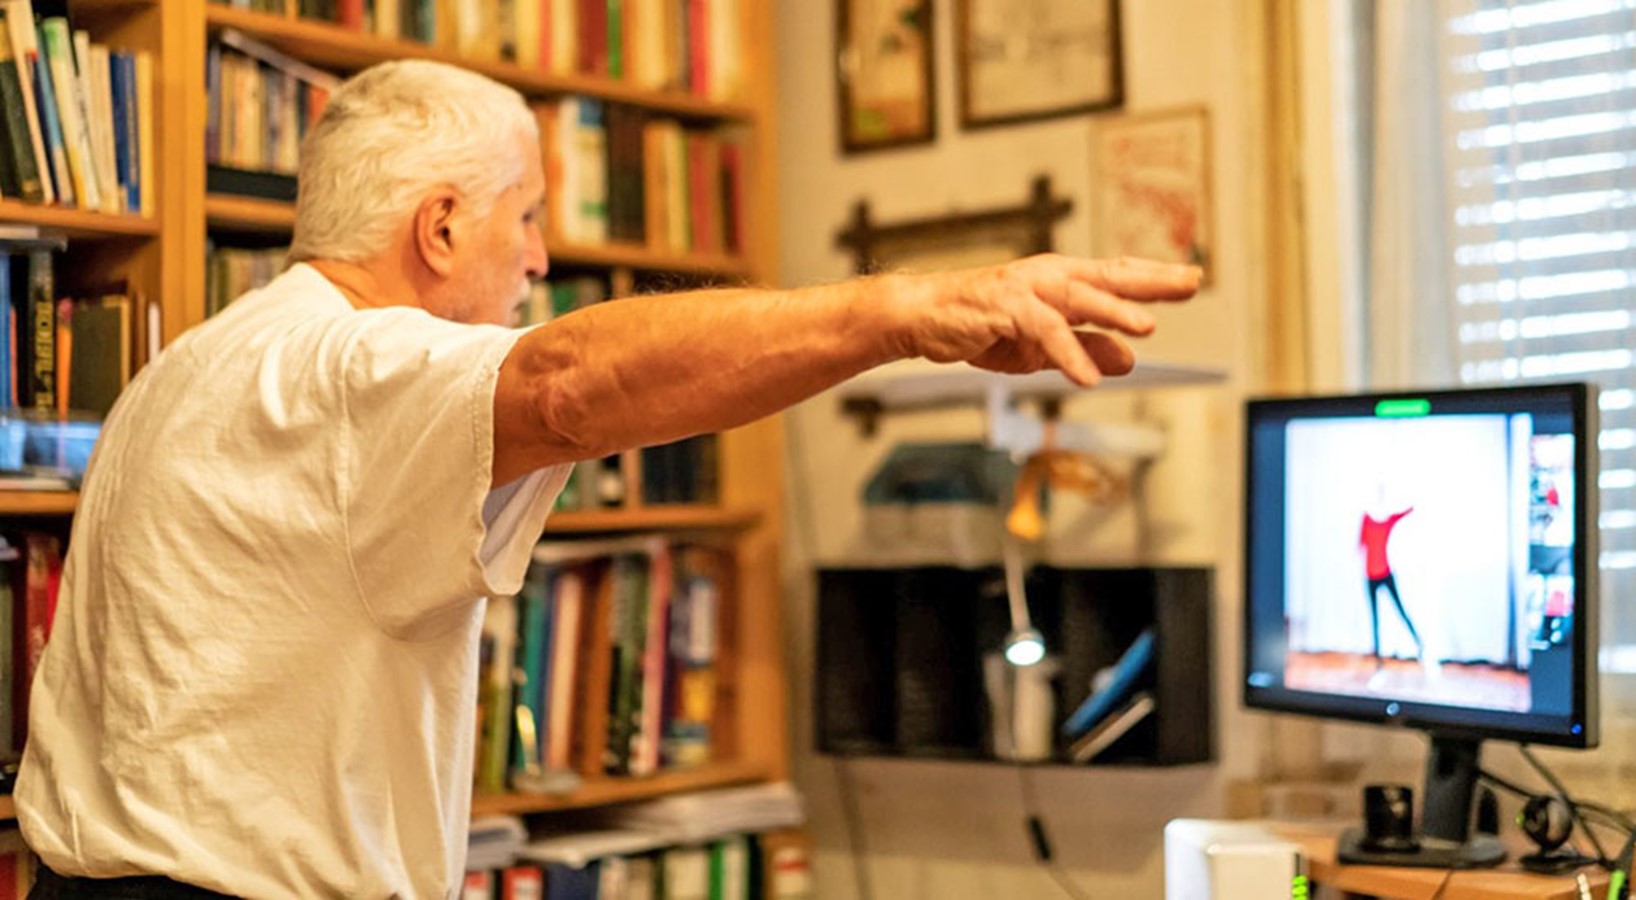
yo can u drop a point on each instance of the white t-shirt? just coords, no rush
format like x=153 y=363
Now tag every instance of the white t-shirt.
x=262 y=677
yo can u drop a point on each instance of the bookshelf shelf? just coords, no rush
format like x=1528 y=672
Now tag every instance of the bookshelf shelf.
x=599 y=792
x=78 y=224
x=38 y=503
x=331 y=46
x=8 y=810
x=247 y=214
x=637 y=257
x=652 y=518
x=226 y=212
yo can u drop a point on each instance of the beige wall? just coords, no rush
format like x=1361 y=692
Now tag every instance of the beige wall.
x=954 y=831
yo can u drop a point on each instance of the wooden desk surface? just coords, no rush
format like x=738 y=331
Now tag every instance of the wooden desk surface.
x=1389 y=883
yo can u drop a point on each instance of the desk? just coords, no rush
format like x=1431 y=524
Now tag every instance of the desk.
x=1388 y=883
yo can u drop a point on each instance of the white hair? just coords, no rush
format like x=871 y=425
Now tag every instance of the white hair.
x=389 y=135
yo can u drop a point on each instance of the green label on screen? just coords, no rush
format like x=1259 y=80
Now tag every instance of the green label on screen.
x=1397 y=409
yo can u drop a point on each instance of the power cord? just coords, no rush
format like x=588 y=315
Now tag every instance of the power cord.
x=1040 y=840
x=1443 y=885
x=1610 y=818
x=854 y=828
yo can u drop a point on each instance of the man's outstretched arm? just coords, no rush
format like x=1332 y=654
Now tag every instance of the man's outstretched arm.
x=649 y=370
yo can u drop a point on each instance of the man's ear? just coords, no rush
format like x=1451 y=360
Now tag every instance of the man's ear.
x=434 y=231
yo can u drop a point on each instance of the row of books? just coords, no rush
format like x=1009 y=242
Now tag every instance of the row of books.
x=686 y=45
x=30 y=573
x=729 y=869
x=654 y=608
x=76 y=121
x=261 y=104
x=723 y=844
x=231 y=272
x=66 y=353
x=614 y=172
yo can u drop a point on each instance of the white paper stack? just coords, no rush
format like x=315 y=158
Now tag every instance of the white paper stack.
x=703 y=816
x=494 y=842
x=576 y=849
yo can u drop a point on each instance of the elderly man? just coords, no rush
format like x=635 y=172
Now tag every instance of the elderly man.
x=262 y=676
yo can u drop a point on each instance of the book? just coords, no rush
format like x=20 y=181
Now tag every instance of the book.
x=18 y=22
x=57 y=46
x=100 y=364
x=1123 y=682
x=35 y=582
x=1114 y=726
x=45 y=99
x=147 y=190
x=569 y=883
x=38 y=337
x=9 y=558
x=16 y=143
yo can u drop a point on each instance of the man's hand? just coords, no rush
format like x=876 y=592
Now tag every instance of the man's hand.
x=1022 y=317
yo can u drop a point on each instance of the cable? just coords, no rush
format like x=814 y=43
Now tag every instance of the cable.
x=1443 y=885
x=1562 y=791
x=1615 y=819
x=1612 y=818
x=854 y=829
x=1040 y=840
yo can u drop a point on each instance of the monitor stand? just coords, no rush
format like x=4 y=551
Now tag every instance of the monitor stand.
x=1445 y=840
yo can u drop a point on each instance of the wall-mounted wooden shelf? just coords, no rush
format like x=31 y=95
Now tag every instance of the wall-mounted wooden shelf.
x=225 y=212
x=652 y=518
x=600 y=792
x=77 y=224
x=38 y=503
x=8 y=809
x=333 y=47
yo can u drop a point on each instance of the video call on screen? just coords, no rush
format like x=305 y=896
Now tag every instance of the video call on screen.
x=1424 y=559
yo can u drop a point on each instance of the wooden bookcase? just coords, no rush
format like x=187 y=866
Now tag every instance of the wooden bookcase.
x=164 y=257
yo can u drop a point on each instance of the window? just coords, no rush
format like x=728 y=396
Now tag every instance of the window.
x=1500 y=214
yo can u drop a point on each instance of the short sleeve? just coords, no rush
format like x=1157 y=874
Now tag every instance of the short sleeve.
x=425 y=531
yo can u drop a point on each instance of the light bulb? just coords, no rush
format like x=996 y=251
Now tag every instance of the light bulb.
x=1024 y=647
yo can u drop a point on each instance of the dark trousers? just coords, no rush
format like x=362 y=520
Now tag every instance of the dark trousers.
x=48 y=885
x=1390 y=584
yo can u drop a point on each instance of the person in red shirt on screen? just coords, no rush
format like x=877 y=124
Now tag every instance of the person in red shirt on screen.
x=1373 y=537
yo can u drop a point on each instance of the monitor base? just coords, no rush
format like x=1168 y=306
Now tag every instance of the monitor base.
x=1479 y=852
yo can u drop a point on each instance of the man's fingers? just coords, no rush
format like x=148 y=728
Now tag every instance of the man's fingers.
x=1139 y=279
x=1111 y=355
x=1064 y=349
x=1088 y=305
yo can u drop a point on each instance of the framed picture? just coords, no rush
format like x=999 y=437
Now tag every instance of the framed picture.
x=958 y=240
x=883 y=74
x=1036 y=59
x=1150 y=187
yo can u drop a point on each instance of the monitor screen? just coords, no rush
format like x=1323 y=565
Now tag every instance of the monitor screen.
x=1427 y=559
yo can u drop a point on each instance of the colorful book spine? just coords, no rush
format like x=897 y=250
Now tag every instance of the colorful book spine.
x=57 y=46
x=45 y=96
x=19 y=23
x=18 y=149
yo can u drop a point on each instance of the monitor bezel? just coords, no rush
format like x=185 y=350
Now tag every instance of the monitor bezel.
x=1436 y=718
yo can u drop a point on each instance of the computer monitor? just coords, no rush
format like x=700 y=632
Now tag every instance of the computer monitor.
x=1427 y=560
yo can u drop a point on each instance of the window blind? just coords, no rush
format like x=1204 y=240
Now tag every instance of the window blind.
x=1539 y=125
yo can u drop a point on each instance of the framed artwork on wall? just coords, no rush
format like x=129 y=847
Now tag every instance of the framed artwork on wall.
x=1150 y=187
x=884 y=73
x=1022 y=60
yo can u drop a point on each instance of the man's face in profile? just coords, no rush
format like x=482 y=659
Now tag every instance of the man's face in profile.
x=503 y=251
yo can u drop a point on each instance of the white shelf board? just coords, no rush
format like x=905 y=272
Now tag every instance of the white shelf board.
x=921 y=384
